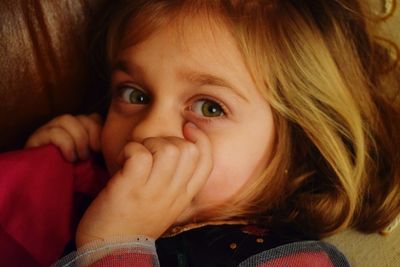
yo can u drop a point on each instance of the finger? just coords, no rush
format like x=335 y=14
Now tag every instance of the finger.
x=189 y=155
x=39 y=137
x=56 y=136
x=137 y=165
x=92 y=125
x=205 y=161
x=36 y=139
x=165 y=161
x=78 y=132
x=64 y=141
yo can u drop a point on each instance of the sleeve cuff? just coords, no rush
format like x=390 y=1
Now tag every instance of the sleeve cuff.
x=117 y=251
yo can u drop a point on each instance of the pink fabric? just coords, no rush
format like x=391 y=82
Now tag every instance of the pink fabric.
x=125 y=259
x=37 y=190
x=301 y=259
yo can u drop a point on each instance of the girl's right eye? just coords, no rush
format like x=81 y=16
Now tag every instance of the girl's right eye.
x=134 y=95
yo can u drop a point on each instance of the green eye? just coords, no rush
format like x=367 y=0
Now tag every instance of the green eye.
x=208 y=108
x=135 y=96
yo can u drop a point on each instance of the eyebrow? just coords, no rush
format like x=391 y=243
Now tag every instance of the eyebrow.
x=209 y=79
x=191 y=76
x=120 y=65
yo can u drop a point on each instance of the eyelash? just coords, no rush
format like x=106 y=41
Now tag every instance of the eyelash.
x=225 y=111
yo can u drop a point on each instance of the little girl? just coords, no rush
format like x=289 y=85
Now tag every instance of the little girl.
x=237 y=130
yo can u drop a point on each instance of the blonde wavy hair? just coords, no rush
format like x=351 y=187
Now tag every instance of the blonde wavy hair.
x=336 y=160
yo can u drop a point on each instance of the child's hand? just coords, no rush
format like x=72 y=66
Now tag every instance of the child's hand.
x=75 y=136
x=157 y=183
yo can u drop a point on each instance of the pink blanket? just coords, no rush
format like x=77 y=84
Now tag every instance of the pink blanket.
x=40 y=197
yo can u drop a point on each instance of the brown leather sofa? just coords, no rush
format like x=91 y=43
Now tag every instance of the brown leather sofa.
x=46 y=69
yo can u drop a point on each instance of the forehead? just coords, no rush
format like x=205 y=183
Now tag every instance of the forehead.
x=198 y=38
x=195 y=50
x=137 y=22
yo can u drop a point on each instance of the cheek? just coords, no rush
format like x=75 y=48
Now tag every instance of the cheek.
x=224 y=181
x=237 y=158
x=233 y=167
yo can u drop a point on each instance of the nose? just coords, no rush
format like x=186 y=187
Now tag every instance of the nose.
x=158 y=121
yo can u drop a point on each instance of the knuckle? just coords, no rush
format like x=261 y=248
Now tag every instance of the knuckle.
x=84 y=121
x=137 y=150
x=170 y=150
x=66 y=118
x=95 y=117
x=54 y=131
x=89 y=122
x=83 y=117
x=144 y=157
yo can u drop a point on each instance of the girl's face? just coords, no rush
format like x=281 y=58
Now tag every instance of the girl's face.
x=195 y=75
